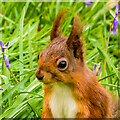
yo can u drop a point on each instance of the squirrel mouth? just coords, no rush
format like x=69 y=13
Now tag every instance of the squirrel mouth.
x=47 y=83
x=50 y=83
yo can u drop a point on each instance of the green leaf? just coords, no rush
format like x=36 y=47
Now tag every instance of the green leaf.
x=108 y=60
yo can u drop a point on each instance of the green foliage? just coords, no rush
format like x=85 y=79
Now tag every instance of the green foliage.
x=20 y=24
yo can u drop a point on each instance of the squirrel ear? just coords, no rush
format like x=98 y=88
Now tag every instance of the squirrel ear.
x=75 y=41
x=55 y=32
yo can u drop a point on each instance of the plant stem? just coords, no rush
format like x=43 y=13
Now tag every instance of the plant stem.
x=106 y=77
x=13 y=75
x=11 y=72
x=107 y=47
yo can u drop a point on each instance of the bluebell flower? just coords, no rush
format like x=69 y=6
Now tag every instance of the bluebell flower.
x=94 y=69
x=115 y=23
x=97 y=69
x=88 y=2
x=1 y=89
x=6 y=61
x=4 y=55
x=3 y=47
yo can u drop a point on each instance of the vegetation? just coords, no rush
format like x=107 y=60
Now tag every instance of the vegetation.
x=27 y=26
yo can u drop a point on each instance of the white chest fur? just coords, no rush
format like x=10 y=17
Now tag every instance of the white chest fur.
x=62 y=103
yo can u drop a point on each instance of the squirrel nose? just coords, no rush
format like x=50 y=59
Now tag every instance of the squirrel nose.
x=39 y=75
x=40 y=78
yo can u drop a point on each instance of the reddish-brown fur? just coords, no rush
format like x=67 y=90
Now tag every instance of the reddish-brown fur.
x=91 y=98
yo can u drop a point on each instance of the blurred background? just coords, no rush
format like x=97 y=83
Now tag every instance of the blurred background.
x=27 y=26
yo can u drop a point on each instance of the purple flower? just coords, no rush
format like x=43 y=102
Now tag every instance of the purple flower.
x=94 y=69
x=5 y=56
x=1 y=89
x=116 y=10
x=3 y=47
x=88 y=3
x=115 y=22
x=97 y=69
x=6 y=61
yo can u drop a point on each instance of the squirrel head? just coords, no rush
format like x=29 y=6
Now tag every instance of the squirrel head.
x=63 y=58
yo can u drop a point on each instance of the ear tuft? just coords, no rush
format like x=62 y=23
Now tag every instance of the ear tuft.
x=55 y=32
x=75 y=41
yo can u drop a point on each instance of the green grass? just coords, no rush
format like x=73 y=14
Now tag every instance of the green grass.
x=19 y=26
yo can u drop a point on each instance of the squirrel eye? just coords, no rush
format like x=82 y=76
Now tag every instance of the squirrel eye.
x=62 y=65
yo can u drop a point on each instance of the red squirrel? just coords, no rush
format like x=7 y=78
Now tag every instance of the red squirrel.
x=71 y=89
